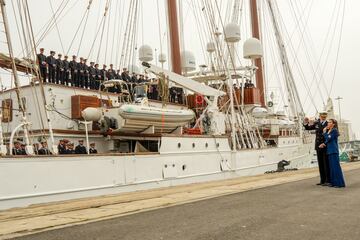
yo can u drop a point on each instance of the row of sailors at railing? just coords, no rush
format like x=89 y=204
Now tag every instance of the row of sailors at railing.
x=79 y=74
x=64 y=147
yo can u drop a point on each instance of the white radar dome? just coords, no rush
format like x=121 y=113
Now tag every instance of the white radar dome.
x=162 y=57
x=188 y=62
x=145 y=53
x=252 y=48
x=91 y=114
x=232 y=33
x=210 y=47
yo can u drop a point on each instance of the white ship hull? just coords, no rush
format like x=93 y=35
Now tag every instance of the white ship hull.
x=31 y=180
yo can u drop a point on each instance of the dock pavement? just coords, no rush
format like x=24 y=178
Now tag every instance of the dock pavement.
x=286 y=205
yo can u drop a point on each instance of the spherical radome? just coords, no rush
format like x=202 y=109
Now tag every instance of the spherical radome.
x=188 y=62
x=232 y=32
x=145 y=53
x=162 y=57
x=252 y=48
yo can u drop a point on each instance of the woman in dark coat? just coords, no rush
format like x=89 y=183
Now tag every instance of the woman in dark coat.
x=331 y=135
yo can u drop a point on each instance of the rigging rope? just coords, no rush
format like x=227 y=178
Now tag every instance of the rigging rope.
x=56 y=25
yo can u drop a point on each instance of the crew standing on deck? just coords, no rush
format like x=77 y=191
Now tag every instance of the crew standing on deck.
x=323 y=163
x=44 y=149
x=74 y=70
x=80 y=149
x=42 y=64
x=92 y=75
x=97 y=76
x=50 y=60
x=66 y=71
x=59 y=70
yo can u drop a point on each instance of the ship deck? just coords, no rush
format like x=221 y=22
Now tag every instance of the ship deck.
x=285 y=205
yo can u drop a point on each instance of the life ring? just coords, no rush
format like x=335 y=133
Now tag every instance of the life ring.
x=199 y=99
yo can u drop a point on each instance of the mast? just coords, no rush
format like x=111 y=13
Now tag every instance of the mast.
x=258 y=62
x=16 y=79
x=174 y=36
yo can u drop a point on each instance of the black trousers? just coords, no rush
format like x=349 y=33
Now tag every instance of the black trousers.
x=43 y=73
x=323 y=165
x=51 y=74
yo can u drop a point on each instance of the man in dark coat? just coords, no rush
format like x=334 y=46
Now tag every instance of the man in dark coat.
x=319 y=126
x=82 y=68
x=44 y=149
x=92 y=75
x=97 y=76
x=66 y=71
x=125 y=75
x=50 y=60
x=92 y=149
x=17 y=150
x=62 y=146
x=86 y=74
x=42 y=64
x=59 y=70
x=80 y=149
x=74 y=70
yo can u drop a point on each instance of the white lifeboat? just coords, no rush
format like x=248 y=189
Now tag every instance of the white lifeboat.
x=139 y=117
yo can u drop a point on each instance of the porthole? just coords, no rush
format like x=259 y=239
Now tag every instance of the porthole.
x=183 y=167
x=206 y=145
x=217 y=145
x=179 y=145
x=165 y=165
x=193 y=145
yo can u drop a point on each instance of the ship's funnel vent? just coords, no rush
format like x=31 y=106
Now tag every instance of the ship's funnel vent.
x=210 y=47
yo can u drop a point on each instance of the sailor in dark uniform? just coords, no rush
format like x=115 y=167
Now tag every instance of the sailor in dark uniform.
x=82 y=67
x=66 y=71
x=44 y=149
x=180 y=94
x=319 y=126
x=59 y=70
x=103 y=73
x=62 y=146
x=110 y=73
x=50 y=60
x=97 y=76
x=117 y=74
x=92 y=75
x=17 y=150
x=125 y=75
x=74 y=70
x=70 y=148
x=80 y=149
x=92 y=149
x=86 y=74
x=42 y=64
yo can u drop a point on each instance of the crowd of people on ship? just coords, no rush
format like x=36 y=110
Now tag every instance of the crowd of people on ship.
x=64 y=147
x=81 y=74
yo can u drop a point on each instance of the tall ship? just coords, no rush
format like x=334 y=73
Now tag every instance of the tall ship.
x=180 y=126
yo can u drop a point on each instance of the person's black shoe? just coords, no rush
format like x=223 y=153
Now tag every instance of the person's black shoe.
x=326 y=184
x=319 y=184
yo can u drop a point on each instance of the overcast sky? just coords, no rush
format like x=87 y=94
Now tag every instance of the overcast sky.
x=317 y=15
